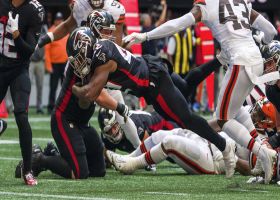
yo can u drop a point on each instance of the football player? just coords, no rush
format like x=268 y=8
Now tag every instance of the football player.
x=20 y=27
x=230 y=23
x=80 y=147
x=116 y=68
x=114 y=137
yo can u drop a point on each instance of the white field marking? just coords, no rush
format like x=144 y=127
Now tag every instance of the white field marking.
x=8 y=141
x=9 y=158
x=244 y=190
x=168 y=193
x=40 y=119
x=52 y=196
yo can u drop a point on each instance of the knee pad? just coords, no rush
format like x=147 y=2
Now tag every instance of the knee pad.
x=169 y=142
x=243 y=117
x=158 y=136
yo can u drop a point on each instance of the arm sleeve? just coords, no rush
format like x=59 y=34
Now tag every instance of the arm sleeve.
x=26 y=47
x=171 y=46
x=265 y=26
x=171 y=27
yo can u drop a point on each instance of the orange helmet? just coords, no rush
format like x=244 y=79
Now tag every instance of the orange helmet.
x=263 y=114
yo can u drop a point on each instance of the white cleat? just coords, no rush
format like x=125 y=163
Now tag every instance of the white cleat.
x=229 y=158
x=124 y=164
x=109 y=156
x=268 y=159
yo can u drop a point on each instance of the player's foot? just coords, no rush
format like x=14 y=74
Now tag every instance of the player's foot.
x=51 y=150
x=151 y=168
x=124 y=164
x=29 y=179
x=36 y=149
x=18 y=171
x=3 y=126
x=268 y=158
x=37 y=163
x=109 y=156
x=229 y=158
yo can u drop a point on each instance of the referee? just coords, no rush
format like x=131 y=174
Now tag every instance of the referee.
x=20 y=25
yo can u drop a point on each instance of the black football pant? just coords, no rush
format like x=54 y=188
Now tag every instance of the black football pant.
x=195 y=76
x=19 y=82
x=170 y=103
x=56 y=76
x=80 y=146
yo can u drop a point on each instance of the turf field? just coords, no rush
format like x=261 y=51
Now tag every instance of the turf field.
x=169 y=181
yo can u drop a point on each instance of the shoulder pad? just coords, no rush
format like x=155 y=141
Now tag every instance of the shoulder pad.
x=38 y=9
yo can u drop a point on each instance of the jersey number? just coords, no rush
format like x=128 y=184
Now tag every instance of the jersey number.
x=225 y=5
x=6 y=43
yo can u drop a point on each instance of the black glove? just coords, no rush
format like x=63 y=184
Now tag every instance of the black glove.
x=123 y=110
x=45 y=39
x=274 y=140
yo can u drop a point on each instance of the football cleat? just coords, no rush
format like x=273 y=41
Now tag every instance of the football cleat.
x=18 y=171
x=229 y=158
x=29 y=179
x=3 y=126
x=109 y=156
x=36 y=163
x=36 y=149
x=51 y=150
x=151 y=168
x=124 y=164
x=268 y=159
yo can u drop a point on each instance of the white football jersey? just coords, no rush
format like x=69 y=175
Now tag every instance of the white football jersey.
x=229 y=23
x=82 y=9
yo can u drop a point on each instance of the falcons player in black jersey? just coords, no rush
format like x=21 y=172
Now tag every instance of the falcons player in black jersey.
x=20 y=27
x=116 y=68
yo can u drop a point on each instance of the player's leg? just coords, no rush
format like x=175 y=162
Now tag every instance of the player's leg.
x=54 y=79
x=39 y=77
x=3 y=90
x=94 y=152
x=236 y=87
x=20 y=89
x=128 y=126
x=70 y=143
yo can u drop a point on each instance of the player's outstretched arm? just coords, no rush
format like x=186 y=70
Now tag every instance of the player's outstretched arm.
x=259 y=22
x=167 y=29
x=59 y=32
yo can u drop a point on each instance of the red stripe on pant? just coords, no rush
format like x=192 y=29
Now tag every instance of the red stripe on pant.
x=168 y=111
x=143 y=148
x=148 y=158
x=189 y=162
x=254 y=133
x=228 y=92
x=251 y=144
x=67 y=142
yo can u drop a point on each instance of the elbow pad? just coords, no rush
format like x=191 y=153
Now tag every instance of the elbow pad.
x=266 y=27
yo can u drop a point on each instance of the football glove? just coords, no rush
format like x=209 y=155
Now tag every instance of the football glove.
x=123 y=110
x=12 y=23
x=259 y=39
x=135 y=38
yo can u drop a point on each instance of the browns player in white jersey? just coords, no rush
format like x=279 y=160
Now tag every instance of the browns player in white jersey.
x=230 y=22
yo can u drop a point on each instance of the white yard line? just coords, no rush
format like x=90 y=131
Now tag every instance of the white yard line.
x=40 y=119
x=168 y=193
x=8 y=141
x=10 y=158
x=52 y=196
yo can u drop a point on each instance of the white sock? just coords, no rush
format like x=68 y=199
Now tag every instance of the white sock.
x=1 y=125
x=241 y=135
x=143 y=147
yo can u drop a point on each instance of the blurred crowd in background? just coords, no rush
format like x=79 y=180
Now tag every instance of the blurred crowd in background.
x=185 y=50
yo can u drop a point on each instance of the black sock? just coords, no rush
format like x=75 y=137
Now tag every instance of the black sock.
x=25 y=139
x=57 y=165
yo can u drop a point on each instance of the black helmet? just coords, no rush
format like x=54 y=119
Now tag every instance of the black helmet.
x=80 y=47
x=110 y=128
x=102 y=24
x=96 y=3
x=271 y=56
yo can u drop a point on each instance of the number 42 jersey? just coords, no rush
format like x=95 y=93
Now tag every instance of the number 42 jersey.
x=229 y=21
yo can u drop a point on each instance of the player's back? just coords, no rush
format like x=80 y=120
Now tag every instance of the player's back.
x=229 y=21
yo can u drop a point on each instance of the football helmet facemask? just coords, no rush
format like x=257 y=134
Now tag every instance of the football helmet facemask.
x=96 y=3
x=80 y=47
x=271 y=56
x=110 y=128
x=102 y=24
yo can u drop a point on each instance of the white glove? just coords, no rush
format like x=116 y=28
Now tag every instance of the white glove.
x=12 y=23
x=135 y=38
x=259 y=38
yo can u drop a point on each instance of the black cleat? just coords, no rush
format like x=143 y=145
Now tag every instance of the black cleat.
x=3 y=126
x=18 y=171
x=51 y=150
x=37 y=163
x=36 y=149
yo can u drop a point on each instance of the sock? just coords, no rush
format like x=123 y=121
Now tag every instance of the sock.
x=25 y=139
x=57 y=165
x=139 y=150
x=241 y=135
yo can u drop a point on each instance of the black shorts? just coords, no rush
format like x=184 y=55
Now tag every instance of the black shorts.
x=79 y=145
x=19 y=82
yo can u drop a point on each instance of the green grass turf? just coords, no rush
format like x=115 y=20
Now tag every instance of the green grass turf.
x=169 y=181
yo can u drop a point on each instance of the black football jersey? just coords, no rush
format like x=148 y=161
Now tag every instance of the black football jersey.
x=132 y=74
x=68 y=103
x=31 y=16
x=144 y=122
